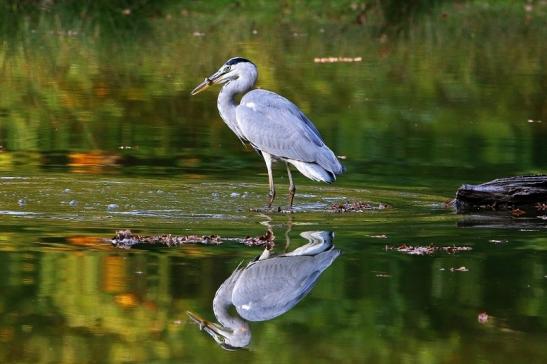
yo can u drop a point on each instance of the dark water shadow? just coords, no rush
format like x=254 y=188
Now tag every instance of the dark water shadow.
x=265 y=288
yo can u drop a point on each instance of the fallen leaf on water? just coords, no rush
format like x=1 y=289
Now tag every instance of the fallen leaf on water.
x=482 y=318
x=460 y=269
x=517 y=212
x=381 y=236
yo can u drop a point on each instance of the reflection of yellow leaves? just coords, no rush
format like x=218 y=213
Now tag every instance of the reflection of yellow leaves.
x=84 y=240
x=114 y=274
x=92 y=162
x=6 y=161
x=190 y=162
x=102 y=90
x=92 y=159
x=126 y=300
x=194 y=251
x=6 y=334
x=69 y=100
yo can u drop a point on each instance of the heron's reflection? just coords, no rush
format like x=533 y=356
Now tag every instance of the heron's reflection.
x=267 y=287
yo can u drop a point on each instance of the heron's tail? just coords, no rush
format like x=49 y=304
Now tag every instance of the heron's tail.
x=314 y=171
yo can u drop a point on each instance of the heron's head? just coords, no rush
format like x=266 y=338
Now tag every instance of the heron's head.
x=233 y=69
x=228 y=339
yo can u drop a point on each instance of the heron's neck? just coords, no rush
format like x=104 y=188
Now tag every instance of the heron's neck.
x=227 y=104
x=222 y=303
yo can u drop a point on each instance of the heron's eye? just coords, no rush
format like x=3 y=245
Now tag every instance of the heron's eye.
x=226 y=69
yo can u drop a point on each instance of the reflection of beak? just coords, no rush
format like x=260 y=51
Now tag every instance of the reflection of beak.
x=216 y=331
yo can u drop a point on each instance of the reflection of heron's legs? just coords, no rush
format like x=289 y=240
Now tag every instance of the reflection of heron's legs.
x=292 y=187
x=287 y=237
x=266 y=253
x=271 y=194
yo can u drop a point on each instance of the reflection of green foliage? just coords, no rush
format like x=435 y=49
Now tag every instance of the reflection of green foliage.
x=454 y=90
x=65 y=306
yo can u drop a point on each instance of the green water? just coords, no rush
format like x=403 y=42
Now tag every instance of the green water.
x=98 y=133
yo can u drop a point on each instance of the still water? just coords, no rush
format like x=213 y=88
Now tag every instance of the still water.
x=99 y=133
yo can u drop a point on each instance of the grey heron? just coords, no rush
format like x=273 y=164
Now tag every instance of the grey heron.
x=266 y=288
x=272 y=125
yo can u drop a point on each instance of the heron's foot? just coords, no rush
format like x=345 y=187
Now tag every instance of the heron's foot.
x=288 y=210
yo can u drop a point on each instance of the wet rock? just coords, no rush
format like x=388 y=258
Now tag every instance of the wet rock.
x=73 y=203
x=112 y=207
x=22 y=202
x=521 y=195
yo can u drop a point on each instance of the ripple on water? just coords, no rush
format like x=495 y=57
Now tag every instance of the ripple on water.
x=18 y=213
x=176 y=214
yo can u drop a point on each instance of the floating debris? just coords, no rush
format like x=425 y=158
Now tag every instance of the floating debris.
x=460 y=269
x=382 y=274
x=126 y=239
x=22 y=202
x=357 y=206
x=73 y=203
x=428 y=249
x=495 y=241
x=337 y=59
x=266 y=239
x=381 y=236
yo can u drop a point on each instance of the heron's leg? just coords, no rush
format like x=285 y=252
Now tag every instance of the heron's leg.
x=271 y=194
x=292 y=187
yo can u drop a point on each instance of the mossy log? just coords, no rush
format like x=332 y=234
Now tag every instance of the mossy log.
x=521 y=195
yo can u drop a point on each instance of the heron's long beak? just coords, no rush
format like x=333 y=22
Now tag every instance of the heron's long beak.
x=202 y=86
x=216 y=77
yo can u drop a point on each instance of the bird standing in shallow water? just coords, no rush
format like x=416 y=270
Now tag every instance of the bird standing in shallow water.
x=272 y=125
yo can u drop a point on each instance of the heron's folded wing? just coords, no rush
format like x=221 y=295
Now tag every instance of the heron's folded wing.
x=271 y=287
x=276 y=126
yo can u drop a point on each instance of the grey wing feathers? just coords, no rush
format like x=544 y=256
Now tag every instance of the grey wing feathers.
x=269 y=288
x=275 y=125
